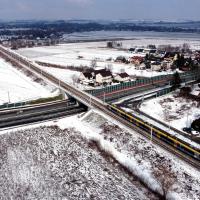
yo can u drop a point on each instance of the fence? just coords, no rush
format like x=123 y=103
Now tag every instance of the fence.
x=12 y=105
x=109 y=93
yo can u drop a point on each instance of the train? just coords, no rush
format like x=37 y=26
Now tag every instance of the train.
x=154 y=131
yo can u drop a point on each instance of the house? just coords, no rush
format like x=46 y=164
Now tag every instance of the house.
x=103 y=76
x=123 y=77
x=87 y=78
x=132 y=50
x=149 y=51
x=171 y=55
x=151 y=46
x=137 y=60
x=121 y=59
x=94 y=77
x=139 y=50
x=156 y=66
x=166 y=65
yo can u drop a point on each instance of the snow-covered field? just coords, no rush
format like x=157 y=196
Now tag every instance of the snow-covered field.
x=81 y=157
x=81 y=54
x=172 y=109
x=66 y=75
x=50 y=163
x=139 y=38
x=67 y=54
x=16 y=86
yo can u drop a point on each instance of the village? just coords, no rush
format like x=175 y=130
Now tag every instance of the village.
x=164 y=58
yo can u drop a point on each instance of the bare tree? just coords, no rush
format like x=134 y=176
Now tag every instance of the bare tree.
x=166 y=178
x=93 y=64
x=186 y=48
x=109 y=67
x=166 y=114
x=168 y=48
x=74 y=79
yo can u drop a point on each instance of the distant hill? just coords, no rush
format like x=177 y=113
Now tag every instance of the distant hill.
x=60 y=27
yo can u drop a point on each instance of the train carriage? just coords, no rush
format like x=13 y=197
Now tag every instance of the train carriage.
x=157 y=132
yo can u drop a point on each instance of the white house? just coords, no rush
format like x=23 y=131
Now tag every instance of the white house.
x=87 y=78
x=103 y=76
x=155 y=66
x=123 y=77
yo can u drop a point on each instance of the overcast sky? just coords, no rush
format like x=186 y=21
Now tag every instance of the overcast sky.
x=100 y=9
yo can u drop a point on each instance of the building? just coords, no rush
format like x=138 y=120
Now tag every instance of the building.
x=103 y=76
x=123 y=77
x=87 y=78
x=156 y=66
x=121 y=59
x=137 y=60
x=165 y=65
x=94 y=77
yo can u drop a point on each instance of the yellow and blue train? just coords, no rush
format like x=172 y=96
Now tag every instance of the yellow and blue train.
x=157 y=132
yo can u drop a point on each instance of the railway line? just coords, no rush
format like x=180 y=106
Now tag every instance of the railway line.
x=92 y=101
x=134 y=104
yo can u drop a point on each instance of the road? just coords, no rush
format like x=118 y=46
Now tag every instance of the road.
x=91 y=102
x=26 y=115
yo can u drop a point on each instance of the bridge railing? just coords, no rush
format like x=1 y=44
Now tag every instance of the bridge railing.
x=12 y=105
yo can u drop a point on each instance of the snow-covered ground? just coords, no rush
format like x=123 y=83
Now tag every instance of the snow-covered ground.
x=69 y=55
x=81 y=54
x=66 y=75
x=83 y=157
x=50 y=163
x=172 y=109
x=139 y=38
x=16 y=86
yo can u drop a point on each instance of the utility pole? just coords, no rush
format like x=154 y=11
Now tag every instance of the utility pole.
x=187 y=117
x=142 y=98
x=169 y=126
x=151 y=133
x=8 y=97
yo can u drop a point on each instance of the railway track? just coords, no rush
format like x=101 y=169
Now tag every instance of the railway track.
x=171 y=149
x=91 y=101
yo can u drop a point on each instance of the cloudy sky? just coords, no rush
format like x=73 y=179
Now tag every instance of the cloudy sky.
x=100 y=9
